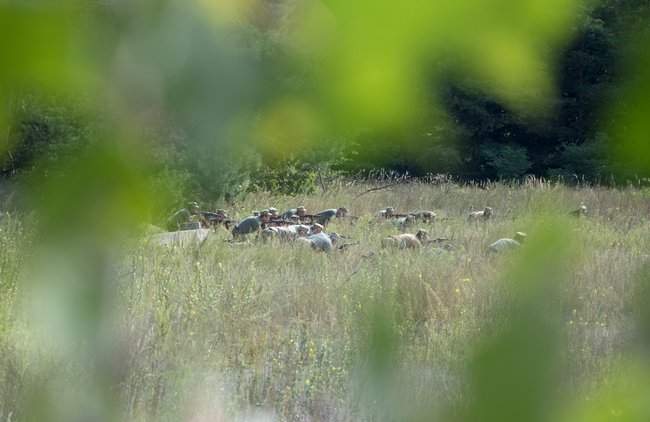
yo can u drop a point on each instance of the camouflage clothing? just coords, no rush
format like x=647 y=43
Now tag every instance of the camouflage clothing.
x=502 y=245
x=289 y=213
x=299 y=211
x=324 y=217
x=291 y=232
x=386 y=212
x=321 y=242
x=247 y=225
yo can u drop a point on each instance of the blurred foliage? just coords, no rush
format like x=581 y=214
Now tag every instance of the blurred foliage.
x=188 y=98
x=515 y=372
x=250 y=83
x=631 y=144
x=46 y=133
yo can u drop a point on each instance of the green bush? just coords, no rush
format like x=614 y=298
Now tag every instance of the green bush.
x=289 y=177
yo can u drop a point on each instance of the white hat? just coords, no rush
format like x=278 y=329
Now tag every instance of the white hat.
x=520 y=236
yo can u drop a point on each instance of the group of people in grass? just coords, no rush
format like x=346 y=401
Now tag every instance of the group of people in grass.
x=293 y=225
x=297 y=225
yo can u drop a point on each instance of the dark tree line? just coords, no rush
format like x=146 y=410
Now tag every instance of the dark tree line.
x=478 y=137
x=491 y=141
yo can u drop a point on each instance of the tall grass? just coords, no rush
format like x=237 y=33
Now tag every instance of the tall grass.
x=247 y=330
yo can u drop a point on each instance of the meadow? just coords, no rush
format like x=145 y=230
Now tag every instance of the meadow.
x=256 y=331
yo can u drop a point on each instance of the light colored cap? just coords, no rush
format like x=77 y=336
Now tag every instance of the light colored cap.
x=317 y=225
x=520 y=236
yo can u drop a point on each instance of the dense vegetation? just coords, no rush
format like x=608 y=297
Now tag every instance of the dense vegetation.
x=482 y=138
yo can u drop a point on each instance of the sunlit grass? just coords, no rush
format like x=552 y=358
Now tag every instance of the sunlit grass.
x=239 y=329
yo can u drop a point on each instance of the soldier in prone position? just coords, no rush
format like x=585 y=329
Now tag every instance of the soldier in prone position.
x=387 y=212
x=319 y=240
x=580 y=212
x=507 y=244
x=403 y=223
x=406 y=240
x=300 y=211
x=424 y=216
x=184 y=217
x=251 y=224
x=286 y=234
x=325 y=216
x=485 y=214
x=215 y=218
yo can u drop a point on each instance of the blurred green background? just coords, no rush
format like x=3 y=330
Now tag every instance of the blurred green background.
x=228 y=97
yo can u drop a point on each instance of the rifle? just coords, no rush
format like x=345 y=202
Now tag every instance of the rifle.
x=213 y=217
x=347 y=245
x=426 y=216
x=227 y=223
x=437 y=240
x=417 y=215
x=395 y=215
x=316 y=218
x=278 y=222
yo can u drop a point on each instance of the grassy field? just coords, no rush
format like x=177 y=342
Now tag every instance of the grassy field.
x=258 y=331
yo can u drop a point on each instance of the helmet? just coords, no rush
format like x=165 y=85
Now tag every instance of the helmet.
x=193 y=205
